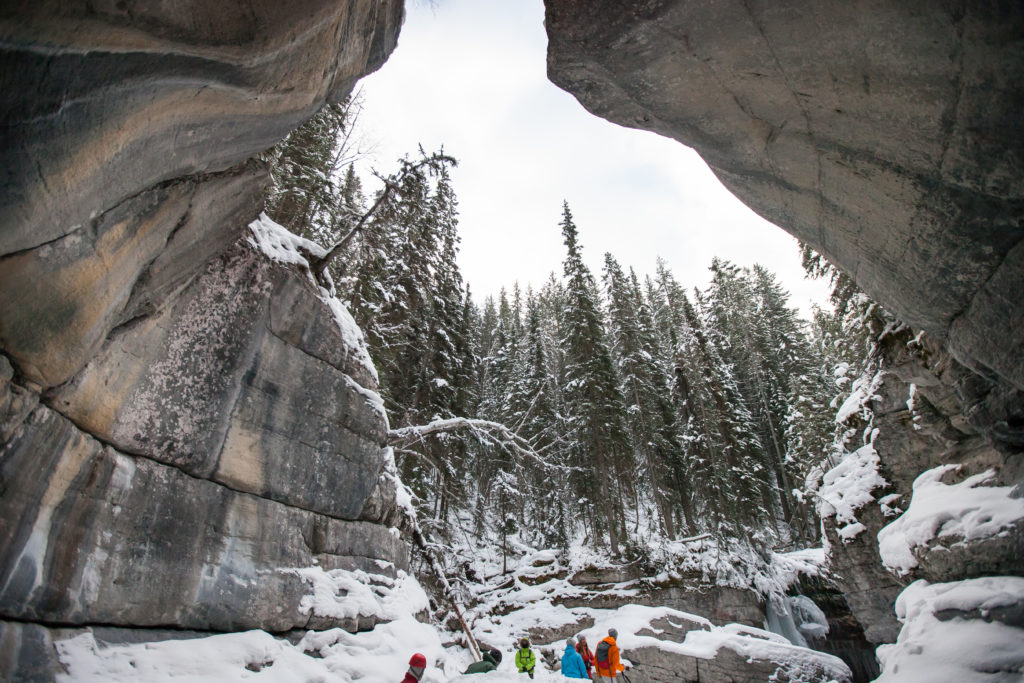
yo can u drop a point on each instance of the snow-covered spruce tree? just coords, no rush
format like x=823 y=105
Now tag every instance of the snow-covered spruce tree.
x=718 y=434
x=500 y=478
x=598 y=447
x=541 y=425
x=760 y=337
x=666 y=325
x=790 y=363
x=645 y=388
x=303 y=194
x=729 y=315
x=443 y=389
x=810 y=424
x=401 y=256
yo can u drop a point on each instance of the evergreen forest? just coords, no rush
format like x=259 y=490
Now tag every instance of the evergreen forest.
x=610 y=409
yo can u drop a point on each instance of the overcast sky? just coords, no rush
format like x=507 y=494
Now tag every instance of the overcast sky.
x=471 y=75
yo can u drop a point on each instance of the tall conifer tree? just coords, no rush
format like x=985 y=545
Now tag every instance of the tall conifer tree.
x=600 y=448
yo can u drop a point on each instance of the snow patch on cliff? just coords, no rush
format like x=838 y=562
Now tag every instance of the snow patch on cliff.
x=847 y=487
x=966 y=511
x=282 y=246
x=948 y=635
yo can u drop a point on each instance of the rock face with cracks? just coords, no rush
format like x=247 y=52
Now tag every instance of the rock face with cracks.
x=183 y=423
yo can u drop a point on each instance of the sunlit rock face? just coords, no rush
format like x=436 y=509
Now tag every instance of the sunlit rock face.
x=885 y=135
x=183 y=423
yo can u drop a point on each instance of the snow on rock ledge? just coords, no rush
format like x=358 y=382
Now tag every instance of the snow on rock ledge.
x=360 y=596
x=959 y=631
x=962 y=512
x=282 y=246
x=847 y=487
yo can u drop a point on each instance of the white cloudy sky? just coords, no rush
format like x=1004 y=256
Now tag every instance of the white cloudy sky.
x=470 y=75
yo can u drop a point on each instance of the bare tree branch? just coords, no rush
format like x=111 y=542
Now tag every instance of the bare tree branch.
x=434 y=163
x=485 y=431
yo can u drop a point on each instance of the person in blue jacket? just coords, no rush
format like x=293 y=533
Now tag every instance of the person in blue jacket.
x=572 y=663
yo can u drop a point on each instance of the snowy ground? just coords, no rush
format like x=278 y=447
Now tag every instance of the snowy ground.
x=381 y=655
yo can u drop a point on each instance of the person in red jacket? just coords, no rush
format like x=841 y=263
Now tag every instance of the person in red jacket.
x=588 y=656
x=417 y=665
x=608 y=664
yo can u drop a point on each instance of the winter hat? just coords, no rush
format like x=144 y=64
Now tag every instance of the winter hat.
x=572 y=641
x=496 y=656
x=418 y=660
x=525 y=642
x=613 y=633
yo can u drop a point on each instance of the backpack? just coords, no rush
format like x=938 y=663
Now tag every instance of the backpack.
x=602 y=654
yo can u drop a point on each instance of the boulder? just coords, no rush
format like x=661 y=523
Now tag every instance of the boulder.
x=726 y=665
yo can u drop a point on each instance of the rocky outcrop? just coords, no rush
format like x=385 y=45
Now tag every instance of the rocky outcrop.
x=694 y=651
x=104 y=100
x=225 y=492
x=244 y=379
x=884 y=137
x=726 y=666
x=187 y=429
x=920 y=420
x=106 y=538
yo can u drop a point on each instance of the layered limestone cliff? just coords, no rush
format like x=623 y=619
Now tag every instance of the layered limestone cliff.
x=188 y=428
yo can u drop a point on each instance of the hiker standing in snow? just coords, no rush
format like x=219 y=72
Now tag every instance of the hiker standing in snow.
x=525 y=659
x=417 y=665
x=586 y=655
x=490 y=662
x=607 y=658
x=572 y=663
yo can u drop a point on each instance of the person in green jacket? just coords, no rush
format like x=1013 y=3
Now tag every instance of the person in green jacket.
x=490 y=662
x=525 y=659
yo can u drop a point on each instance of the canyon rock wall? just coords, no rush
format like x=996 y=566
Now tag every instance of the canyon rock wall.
x=884 y=136
x=183 y=422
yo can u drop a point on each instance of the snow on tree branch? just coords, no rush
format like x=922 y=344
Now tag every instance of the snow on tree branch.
x=487 y=432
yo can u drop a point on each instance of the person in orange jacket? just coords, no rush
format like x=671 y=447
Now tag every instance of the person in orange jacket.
x=607 y=664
